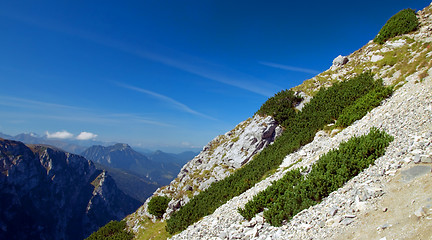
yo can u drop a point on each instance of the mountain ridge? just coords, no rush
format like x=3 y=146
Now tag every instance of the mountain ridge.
x=47 y=193
x=122 y=156
x=404 y=115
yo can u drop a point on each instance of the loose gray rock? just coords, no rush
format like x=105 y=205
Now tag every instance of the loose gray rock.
x=340 y=60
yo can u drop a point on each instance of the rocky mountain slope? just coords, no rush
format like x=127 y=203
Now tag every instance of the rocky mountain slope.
x=411 y=126
x=46 y=193
x=217 y=160
x=404 y=62
x=32 y=138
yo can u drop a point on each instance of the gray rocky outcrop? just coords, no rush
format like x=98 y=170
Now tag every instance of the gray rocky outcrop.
x=218 y=159
x=340 y=60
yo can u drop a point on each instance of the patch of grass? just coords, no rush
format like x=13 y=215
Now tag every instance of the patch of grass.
x=96 y=181
x=423 y=75
x=152 y=230
x=390 y=59
x=113 y=230
x=408 y=67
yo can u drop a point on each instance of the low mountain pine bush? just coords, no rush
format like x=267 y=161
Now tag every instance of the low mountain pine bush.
x=280 y=106
x=402 y=22
x=294 y=192
x=363 y=105
x=158 y=205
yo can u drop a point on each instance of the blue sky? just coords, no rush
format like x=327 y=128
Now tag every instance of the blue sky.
x=166 y=74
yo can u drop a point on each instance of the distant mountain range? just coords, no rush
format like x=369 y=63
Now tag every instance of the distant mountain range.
x=68 y=145
x=138 y=174
x=157 y=167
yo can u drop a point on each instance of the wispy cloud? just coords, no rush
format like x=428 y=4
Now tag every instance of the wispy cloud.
x=59 y=135
x=208 y=70
x=166 y=99
x=28 y=103
x=163 y=55
x=137 y=118
x=33 y=109
x=289 y=68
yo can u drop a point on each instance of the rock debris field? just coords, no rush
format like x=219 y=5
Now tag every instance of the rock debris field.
x=390 y=200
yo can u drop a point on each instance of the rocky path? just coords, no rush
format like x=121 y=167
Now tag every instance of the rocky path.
x=402 y=213
x=407 y=116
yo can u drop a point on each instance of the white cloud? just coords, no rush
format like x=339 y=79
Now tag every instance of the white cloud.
x=86 y=136
x=61 y=135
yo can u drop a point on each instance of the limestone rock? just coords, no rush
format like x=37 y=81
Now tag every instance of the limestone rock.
x=420 y=212
x=218 y=159
x=340 y=60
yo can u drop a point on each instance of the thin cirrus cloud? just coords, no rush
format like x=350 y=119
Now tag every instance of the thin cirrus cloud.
x=166 y=99
x=28 y=103
x=289 y=68
x=208 y=70
x=164 y=56
x=26 y=109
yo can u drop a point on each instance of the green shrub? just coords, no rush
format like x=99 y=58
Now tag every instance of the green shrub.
x=113 y=230
x=324 y=108
x=158 y=205
x=265 y=198
x=294 y=192
x=402 y=22
x=280 y=106
x=363 y=105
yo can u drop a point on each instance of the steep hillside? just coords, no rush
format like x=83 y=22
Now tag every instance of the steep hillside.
x=403 y=62
x=219 y=158
x=50 y=194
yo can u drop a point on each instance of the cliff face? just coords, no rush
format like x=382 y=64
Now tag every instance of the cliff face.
x=50 y=194
x=218 y=159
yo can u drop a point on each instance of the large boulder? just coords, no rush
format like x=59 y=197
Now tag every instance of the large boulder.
x=340 y=60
